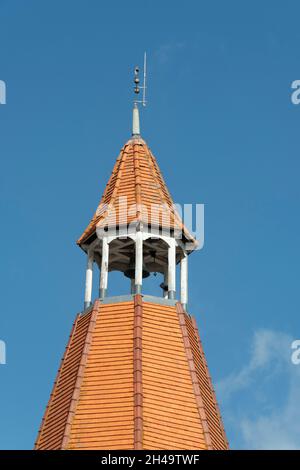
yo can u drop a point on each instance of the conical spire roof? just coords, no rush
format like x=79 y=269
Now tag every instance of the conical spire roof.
x=134 y=376
x=136 y=191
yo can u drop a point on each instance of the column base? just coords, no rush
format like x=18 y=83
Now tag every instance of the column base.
x=184 y=307
x=172 y=294
x=138 y=289
x=86 y=305
x=102 y=293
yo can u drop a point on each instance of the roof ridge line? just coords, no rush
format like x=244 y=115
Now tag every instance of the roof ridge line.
x=118 y=172
x=194 y=378
x=137 y=180
x=117 y=184
x=199 y=342
x=138 y=372
x=107 y=187
x=157 y=171
x=80 y=373
x=172 y=209
x=56 y=381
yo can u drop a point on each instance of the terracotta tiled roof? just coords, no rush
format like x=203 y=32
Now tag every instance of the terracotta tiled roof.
x=171 y=417
x=136 y=177
x=207 y=403
x=134 y=376
x=53 y=427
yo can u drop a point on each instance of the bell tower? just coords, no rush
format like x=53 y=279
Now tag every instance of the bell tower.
x=136 y=229
x=134 y=375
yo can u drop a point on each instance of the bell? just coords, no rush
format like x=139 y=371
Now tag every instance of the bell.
x=130 y=271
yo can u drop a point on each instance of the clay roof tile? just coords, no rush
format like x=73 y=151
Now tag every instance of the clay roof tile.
x=137 y=177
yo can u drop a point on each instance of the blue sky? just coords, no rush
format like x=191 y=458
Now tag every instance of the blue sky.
x=225 y=133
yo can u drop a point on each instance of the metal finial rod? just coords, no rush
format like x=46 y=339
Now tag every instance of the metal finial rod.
x=135 y=120
x=137 y=86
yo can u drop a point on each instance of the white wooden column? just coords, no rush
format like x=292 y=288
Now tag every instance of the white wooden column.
x=104 y=268
x=172 y=269
x=184 y=281
x=138 y=262
x=88 y=280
